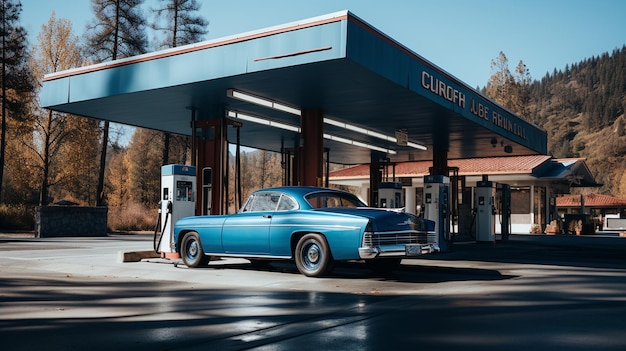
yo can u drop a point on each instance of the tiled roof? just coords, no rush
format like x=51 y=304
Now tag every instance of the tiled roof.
x=591 y=200
x=472 y=166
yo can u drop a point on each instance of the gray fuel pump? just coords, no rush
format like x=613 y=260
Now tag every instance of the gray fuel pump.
x=178 y=184
x=437 y=206
x=390 y=195
x=485 y=210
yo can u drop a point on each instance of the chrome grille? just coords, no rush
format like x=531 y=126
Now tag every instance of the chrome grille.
x=399 y=238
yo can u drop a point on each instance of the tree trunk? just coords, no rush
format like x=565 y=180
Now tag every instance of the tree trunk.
x=43 y=195
x=3 y=133
x=103 y=161
x=166 y=148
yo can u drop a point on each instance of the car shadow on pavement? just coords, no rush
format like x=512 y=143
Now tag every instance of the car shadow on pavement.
x=408 y=273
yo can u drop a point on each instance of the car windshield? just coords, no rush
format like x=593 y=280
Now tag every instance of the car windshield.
x=332 y=199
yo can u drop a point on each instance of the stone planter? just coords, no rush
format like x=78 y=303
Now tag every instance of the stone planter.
x=55 y=221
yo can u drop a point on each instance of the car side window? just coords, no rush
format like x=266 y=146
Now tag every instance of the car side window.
x=247 y=207
x=264 y=202
x=329 y=200
x=287 y=203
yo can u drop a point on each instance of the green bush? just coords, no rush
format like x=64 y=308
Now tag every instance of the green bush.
x=17 y=217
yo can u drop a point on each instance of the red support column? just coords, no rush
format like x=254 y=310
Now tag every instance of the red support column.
x=375 y=177
x=441 y=145
x=440 y=163
x=211 y=149
x=311 y=158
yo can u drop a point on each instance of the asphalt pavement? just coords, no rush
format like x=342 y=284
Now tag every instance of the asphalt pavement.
x=532 y=292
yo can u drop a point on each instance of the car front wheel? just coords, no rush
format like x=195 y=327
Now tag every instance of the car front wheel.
x=312 y=255
x=191 y=251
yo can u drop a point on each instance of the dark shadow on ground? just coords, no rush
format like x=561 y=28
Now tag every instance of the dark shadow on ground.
x=82 y=313
x=567 y=253
x=359 y=270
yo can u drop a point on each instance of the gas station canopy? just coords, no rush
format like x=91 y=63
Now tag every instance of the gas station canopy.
x=375 y=94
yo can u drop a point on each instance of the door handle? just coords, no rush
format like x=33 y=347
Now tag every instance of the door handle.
x=267 y=216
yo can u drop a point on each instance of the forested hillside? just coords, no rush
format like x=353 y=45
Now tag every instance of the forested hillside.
x=582 y=108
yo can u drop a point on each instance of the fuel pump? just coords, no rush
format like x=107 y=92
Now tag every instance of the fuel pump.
x=437 y=206
x=178 y=184
x=485 y=210
x=390 y=195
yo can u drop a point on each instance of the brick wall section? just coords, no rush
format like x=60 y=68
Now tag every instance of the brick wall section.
x=54 y=221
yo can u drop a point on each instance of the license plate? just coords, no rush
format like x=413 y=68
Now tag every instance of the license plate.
x=413 y=249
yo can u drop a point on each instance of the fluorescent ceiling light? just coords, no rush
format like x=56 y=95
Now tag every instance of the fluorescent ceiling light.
x=250 y=98
x=285 y=126
x=264 y=121
x=356 y=129
x=333 y=122
x=286 y=108
x=378 y=135
x=337 y=138
x=296 y=129
x=236 y=94
x=416 y=146
x=358 y=143
x=369 y=132
x=249 y=118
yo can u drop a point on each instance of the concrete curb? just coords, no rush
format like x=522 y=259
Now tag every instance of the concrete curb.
x=136 y=256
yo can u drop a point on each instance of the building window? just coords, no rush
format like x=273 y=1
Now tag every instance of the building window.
x=520 y=200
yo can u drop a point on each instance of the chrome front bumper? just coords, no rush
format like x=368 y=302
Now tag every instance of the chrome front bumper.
x=407 y=250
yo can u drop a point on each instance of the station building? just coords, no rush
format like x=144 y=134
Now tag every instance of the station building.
x=607 y=213
x=537 y=184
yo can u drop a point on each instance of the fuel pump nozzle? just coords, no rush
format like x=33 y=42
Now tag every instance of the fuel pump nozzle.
x=157 y=227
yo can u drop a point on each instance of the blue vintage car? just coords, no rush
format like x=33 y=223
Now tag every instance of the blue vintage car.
x=310 y=225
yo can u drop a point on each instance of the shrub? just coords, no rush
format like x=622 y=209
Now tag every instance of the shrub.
x=17 y=217
x=133 y=217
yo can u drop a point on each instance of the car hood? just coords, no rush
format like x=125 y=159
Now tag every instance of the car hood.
x=386 y=220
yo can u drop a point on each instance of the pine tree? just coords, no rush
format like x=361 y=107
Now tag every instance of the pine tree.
x=177 y=19
x=522 y=83
x=118 y=31
x=17 y=81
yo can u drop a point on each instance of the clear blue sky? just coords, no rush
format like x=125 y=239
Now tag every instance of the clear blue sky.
x=460 y=36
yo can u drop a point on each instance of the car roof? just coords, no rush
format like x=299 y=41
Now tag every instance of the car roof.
x=301 y=191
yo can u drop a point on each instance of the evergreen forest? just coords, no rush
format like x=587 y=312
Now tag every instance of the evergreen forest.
x=581 y=106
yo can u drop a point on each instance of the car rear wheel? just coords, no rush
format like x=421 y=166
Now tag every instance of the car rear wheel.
x=312 y=255
x=191 y=251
